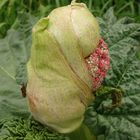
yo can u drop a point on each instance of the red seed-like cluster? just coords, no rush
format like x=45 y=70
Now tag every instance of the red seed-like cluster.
x=98 y=64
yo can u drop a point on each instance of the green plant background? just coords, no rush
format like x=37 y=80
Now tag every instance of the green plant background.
x=9 y=9
x=120 y=29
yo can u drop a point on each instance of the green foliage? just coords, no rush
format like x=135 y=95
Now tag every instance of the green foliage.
x=122 y=37
x=19 y=129
x=121 y=7
x=8 y=87
x=9 y=9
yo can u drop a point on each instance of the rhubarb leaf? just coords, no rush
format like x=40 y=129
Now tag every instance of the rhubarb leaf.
x=123 y=122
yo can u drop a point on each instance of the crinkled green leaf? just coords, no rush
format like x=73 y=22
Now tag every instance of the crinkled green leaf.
x=21 y=129
x=11 y=102
x=121 y=123
x=14 y=53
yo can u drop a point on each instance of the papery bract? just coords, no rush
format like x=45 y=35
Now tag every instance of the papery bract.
x=59 y=87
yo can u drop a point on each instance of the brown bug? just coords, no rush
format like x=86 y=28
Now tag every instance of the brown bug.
x=23 y=89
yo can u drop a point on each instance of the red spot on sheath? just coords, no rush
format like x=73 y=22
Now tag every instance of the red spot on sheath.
x=98 y=64
x=32 y=103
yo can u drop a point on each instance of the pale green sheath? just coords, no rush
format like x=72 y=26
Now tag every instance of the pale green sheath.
x=59 y=87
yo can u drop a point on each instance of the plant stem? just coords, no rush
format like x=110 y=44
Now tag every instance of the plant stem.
x=83 y=133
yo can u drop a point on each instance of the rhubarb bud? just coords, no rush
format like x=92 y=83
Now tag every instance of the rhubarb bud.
x=60 y=84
